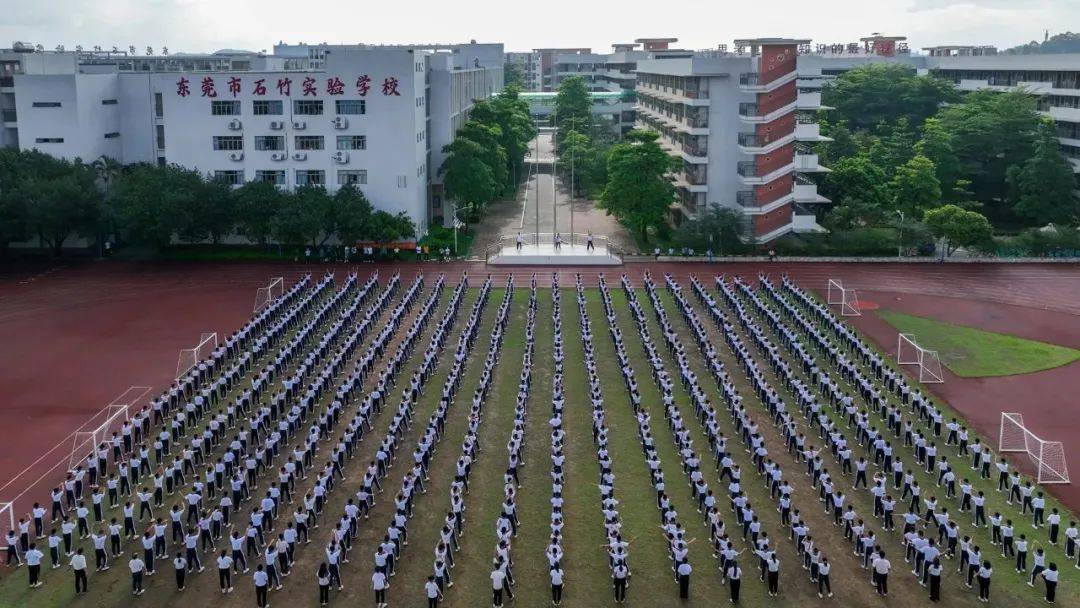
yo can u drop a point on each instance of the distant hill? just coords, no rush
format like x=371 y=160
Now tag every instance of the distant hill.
x=1058 y=43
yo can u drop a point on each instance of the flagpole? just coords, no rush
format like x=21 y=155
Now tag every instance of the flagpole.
x=536 y=172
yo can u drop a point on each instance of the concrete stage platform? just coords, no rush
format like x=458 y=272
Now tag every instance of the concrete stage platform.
x=545 y=254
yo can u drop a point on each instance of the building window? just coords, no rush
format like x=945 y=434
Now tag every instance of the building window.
x=307 y=107
x=112 y=135
x=274 y=177
x=310 y=177
x=266 y=107
x=233 y=178
x=269 y=142
x=109 y=102
x=159 y=136
x=351 y=142
x=49 y=140
x=159 y=105
x=225 y=108
x=228 y=142
x=46 y=104
x=309 y=142
x=351 y=106
x=355 y=177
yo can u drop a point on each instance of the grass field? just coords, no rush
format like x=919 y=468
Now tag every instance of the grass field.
x=587 y=574
x=972 y=353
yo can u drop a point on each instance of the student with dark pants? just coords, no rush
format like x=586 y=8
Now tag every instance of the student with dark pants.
x=78 y=565
x=734 y=576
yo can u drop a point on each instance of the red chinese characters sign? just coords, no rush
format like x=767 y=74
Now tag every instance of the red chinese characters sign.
x=308 y=87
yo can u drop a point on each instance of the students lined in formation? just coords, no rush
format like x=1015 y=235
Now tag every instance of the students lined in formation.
x=554 y=552
x=930 y=533
x=617 y=546
x=921 y=547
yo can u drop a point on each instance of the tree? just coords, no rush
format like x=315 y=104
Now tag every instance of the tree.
x=350 y=212
x=1041 y=188
x=13 y=202
x=638 y=191
x=510 y=114
x=915 y=186
x=299 y=220
x=719 y=229
x=894 y=147
x=936 y=145
x=62 y=200
x=856 y=177
x=843 y=142
x=883 y=93
x=211 y=214
x=152 y=204
x=573 y=106
x=578 y=154
x=991 y=132
x=957 y=227
x=467 y=178
x=257 y=204
x=513 y=74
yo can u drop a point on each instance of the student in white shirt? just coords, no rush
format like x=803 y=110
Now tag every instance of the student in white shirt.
x=137 y=568
x=323 y=578
x=262 y=582
x=1050 y=577
x=431 y=589
x=78 y=565
x=224 y=564
x=380 y=585
x=556 y=584
x=33 y=563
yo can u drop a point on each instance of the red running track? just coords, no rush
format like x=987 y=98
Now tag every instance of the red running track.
x=77 y=335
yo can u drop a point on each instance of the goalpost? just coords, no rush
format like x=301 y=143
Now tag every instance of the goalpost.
x=846 y=298
x=265 y=295
x=190 y=357
x=9 y=508
x=908 y=352
x=1047 y=456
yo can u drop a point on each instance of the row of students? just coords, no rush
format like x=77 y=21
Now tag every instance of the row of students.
x=770 y=472
x=413 y=481
x=554 y=551
x=968 y=554
x=617 y=547
x=72 y=488
x=674 y=533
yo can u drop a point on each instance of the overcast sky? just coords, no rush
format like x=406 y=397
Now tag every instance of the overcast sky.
x=208 y=25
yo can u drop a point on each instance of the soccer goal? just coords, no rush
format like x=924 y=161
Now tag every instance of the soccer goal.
x=908 y=352
x=1047 y=456
x=86 y=441
x=7 y=509
x=846 y=298
x=266 y=295
x=190 y=357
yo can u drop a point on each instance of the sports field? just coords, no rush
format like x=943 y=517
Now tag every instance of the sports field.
x=647 y=339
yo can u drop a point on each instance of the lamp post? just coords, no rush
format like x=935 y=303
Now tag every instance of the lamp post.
x=900 y=240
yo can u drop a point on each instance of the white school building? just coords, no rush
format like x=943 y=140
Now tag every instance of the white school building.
x=374 y=116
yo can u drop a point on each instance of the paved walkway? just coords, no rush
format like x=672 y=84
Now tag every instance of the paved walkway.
x=537 y=194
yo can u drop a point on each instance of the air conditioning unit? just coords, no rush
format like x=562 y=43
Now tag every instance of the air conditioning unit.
x=279 y=156
x=236 y=156
x=235 y=124
x=299 y=125
x=340 y=122
x=300 y=156
x=276 y=125
x=340 y=157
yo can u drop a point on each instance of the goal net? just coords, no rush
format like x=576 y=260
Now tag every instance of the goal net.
x=190 y=357
x=1048 y=457
x=908 y=352
x=98 y=431
x=846 y=298
x=266 y=295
